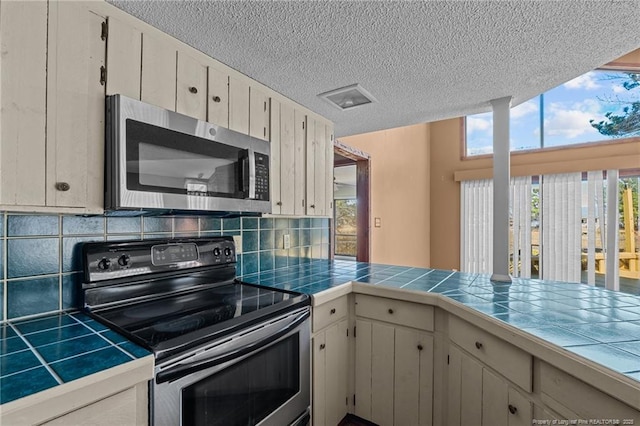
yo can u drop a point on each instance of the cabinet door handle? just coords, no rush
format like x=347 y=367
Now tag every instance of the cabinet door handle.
x=513 y=409
x=216 y=99
x=478 y=345
x=322 y=346
x=420 y=347
x=390 y=311
x=63 y=186
x=333 y=311
x=193 y=89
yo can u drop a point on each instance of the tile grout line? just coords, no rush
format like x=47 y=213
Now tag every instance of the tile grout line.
x=113 y=344
x=37 y=355
x=443 y=280
x=415 y=279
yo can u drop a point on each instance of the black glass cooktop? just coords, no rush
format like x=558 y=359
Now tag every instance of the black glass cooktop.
x=155 y=322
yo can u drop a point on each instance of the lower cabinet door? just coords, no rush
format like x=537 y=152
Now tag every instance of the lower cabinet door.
x=495 y=395
x=478 y=396
x=394 y=375
x=413 y=381
x=330 y=375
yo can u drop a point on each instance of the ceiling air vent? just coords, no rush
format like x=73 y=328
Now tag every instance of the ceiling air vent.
x=348 y=97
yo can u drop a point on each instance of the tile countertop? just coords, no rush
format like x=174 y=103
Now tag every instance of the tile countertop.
x=600 y=325
x=42 y=353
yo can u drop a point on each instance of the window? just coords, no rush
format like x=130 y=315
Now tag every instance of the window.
x=560 y=228
x=599 y=105
x=345 y=228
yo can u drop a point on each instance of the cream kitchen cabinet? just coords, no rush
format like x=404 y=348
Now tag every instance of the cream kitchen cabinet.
x=258 y=114
x=149 y=65
x=128 y=407
x=52 y=120
x=319 y=170
x=218 y=97
x=165 y=76
x=330 y=344
x=248 y=108
x=477 y=395
x=393 y=363
x=118 y=395
x=287 y=164
x=191 y=86
x=572 y=398
x=480 y=379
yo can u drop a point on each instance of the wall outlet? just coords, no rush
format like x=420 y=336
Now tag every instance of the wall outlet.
x=286 y=241
x=237 y=239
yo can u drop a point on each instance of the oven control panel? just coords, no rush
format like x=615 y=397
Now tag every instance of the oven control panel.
x=113 y=260
x=167 y=254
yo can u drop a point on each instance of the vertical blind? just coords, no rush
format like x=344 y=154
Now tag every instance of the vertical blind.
x=564 y=240
x=560 y=246
x=476 y=226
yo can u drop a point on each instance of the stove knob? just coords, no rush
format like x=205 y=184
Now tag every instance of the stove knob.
x=216 y=251
x=104 y=264
x=227 y=251
x=124 y=260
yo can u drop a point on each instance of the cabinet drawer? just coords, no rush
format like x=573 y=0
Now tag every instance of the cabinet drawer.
x=513 y=363
x=571 y=397
x=329 y=312
x=395 y=311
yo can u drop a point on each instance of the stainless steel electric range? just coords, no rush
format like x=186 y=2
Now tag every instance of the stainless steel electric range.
x=226 y=353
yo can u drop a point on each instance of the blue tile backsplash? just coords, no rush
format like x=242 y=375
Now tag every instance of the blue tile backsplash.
x=41 y=269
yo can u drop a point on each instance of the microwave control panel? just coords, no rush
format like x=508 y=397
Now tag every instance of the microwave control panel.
x=262 y=177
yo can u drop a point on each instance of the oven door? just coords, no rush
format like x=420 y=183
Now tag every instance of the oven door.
x=260 y=376
x=157 y=158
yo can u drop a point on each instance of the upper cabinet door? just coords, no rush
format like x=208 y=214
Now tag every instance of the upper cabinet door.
x=320 y=170
x=218 y=97
x=158 y=72
x=287 y=158
x=124 y=56
x=75 y=107
x=274 y=159
x=283 y=122
x=23 y=43
x=299 y=160
x=258 y=114
x=319 y=167
x=310 y=145
x=329 y=169
x=191 y=94
x=238 y=105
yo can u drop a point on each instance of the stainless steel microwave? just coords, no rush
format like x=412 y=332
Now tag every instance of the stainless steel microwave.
x=161 y=160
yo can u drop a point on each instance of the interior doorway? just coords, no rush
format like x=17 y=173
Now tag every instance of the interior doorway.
x=351 y=204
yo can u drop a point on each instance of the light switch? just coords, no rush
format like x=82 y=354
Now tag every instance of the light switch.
x=377 y=222
x=286 y=241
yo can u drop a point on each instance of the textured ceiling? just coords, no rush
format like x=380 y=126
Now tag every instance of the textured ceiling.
x=422 y=60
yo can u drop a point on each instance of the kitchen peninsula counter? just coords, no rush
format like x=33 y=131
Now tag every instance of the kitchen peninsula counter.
x=67 y=367
x=589 y=332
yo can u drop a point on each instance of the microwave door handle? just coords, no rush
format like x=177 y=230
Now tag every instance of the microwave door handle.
x=252 y=173
x=182 y=370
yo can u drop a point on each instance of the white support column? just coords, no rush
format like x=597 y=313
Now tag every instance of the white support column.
x=501 y=179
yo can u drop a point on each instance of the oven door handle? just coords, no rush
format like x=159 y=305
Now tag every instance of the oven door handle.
x=183 y=369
